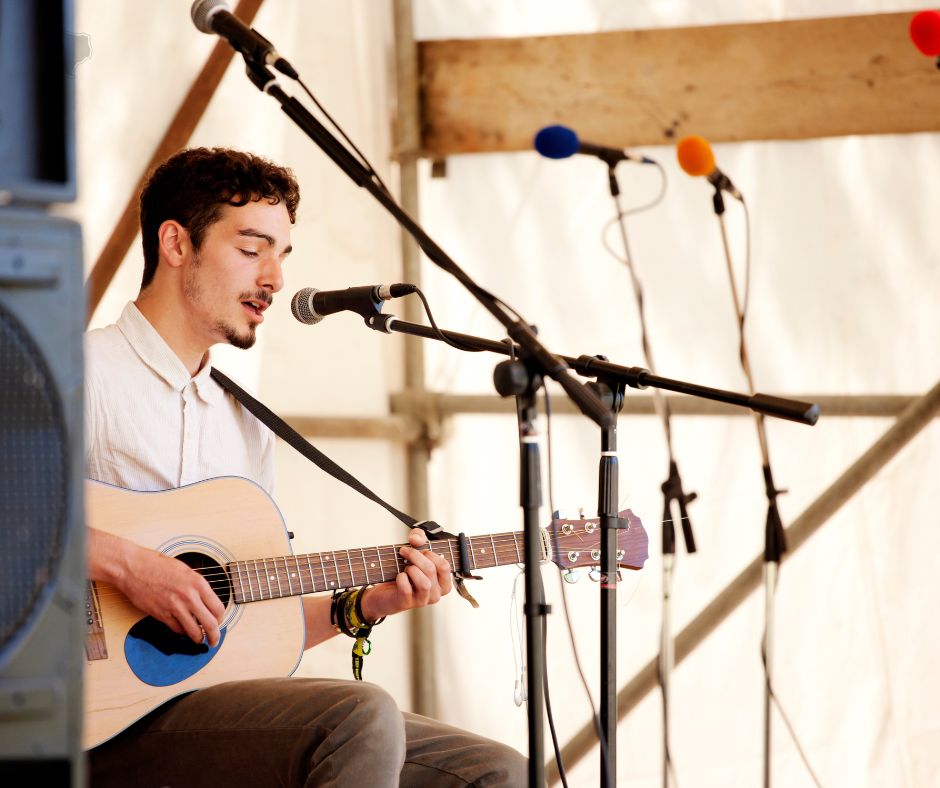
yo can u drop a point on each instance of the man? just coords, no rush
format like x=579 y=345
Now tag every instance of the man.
x=216 y=230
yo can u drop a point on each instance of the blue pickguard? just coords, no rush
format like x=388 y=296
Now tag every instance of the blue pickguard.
x=159 y=657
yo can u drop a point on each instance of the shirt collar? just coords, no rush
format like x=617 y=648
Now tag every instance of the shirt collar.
x=159 y=356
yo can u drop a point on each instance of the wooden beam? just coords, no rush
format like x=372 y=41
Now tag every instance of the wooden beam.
x=399 y=429
x=779 y=80
x=915 y=417
x=187 y=117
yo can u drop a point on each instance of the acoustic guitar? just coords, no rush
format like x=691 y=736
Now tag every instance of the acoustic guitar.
x=231 y=531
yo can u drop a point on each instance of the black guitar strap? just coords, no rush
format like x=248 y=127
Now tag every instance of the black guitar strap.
x=294 y=439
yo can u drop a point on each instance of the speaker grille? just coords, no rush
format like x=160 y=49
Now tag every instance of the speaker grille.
x=34 y=480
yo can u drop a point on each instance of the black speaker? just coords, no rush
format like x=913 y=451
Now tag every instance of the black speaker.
x=37 y=94
x=42 y=596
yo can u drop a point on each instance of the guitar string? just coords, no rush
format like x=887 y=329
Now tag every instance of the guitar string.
x=281 y=567
x=251 y=577
x=219 y=577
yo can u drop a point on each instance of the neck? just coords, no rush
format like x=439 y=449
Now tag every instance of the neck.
x=172 y=322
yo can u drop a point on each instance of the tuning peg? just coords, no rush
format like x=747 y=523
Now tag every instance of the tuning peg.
x=572 y=576
x=595 y=575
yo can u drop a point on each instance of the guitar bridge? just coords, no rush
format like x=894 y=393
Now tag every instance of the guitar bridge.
x=95 y=645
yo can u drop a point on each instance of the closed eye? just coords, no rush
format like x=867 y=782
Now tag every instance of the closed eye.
x=248 y=252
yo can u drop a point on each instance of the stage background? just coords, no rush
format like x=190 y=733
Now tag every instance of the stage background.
x=845 y=299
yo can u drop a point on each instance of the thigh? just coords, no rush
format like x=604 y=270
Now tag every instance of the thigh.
x=442 y=756
x=276 y=732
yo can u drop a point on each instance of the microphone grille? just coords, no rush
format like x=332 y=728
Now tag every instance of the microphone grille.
x=300 y=306
x=202 y=12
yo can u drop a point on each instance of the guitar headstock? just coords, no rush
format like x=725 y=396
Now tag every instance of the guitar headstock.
x=575 y=543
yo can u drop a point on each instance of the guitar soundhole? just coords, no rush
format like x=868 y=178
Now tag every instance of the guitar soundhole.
x=212 y=571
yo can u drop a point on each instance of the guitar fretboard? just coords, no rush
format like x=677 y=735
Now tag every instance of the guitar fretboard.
x=272 y=578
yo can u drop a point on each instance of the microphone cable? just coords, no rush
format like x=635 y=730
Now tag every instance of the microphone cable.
x=741 y=312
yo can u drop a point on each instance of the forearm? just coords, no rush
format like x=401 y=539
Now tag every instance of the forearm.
x=317 y=612
x=317 y=620
x=108 y=556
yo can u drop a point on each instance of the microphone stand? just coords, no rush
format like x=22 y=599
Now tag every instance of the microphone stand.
x=775 y=541
x=611 y=379
x=672 y=494
x=536 y=357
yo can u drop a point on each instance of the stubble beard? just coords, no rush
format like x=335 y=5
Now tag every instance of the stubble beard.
x=194 y=294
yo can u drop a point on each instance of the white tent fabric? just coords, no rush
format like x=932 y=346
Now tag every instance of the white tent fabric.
x=845 y=298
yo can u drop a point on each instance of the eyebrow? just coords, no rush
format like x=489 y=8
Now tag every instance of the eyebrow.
x=250 y=232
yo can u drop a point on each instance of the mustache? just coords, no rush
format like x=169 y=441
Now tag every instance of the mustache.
x=258 y=295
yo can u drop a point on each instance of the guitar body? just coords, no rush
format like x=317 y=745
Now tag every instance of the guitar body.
x=232 y=533
x=135 y=664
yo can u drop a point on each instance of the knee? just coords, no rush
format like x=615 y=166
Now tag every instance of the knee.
x=505 y=767
x=373 y=703
x=378 y=719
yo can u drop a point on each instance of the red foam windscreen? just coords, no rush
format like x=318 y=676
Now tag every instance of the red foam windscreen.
x=925 y=32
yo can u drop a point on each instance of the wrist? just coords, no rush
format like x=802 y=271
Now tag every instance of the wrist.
x=371 y=606
x=109 y=557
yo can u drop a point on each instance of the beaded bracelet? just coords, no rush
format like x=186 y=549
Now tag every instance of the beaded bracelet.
x=346 y=617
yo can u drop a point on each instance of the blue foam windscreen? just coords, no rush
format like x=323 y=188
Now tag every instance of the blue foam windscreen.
x=557 y=142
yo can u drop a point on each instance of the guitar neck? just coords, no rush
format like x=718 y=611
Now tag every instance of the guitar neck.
x=272 y=578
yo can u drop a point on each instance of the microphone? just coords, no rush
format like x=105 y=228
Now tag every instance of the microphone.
x=925 y=33
x=696 y=158
x=560 y=142
x=310 y=305
x=214 y=16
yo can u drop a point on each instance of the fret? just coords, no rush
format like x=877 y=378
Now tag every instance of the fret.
x=336 y=567
x=326 y=581
x=240 y=594
x=258 y=574
x=290 y=585
x=300 y=576
x=241 y=584
x=313 y=586
x=453 y=561
x=277 y=576
x=365 y=566
x=473 y=556
x=495 y=554
x=352 y=581
x=515 y=541
x=399 y=561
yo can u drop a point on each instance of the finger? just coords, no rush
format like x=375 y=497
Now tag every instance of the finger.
x=211 y=600
x=417 y=537
x=405 y=589
x=419 y=558
x=424 y=587
x=191 y=627
x=208 y=624
x=445 y=575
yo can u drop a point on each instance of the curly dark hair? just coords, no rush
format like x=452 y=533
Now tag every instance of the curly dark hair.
x=191 y=187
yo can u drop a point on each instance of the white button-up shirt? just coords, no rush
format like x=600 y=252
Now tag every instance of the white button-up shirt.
x=150 y=426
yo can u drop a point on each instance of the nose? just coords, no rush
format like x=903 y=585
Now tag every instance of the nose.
x=271 y=275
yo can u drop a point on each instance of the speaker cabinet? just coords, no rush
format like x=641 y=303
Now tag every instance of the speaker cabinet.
x=42 y=587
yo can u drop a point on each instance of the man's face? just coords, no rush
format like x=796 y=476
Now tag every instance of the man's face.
x=233 y=277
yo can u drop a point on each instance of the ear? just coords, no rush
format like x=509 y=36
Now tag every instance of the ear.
x=174 y=243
